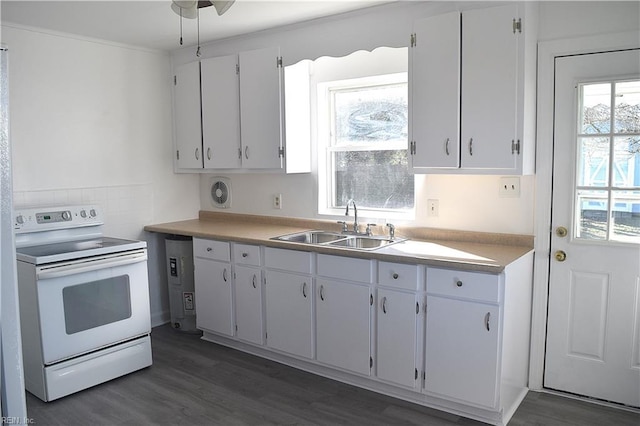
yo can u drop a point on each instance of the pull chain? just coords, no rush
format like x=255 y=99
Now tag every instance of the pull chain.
x=198 y=16
x=180 y=26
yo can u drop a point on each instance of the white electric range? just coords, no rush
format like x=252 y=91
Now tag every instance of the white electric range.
x=84 y=300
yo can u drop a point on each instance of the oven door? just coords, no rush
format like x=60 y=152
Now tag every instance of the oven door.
x=92 y=303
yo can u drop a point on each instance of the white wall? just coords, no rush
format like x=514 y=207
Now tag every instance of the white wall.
x=465 y=202
x=91 y=123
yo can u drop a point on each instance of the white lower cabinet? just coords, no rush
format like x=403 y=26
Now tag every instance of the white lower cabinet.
x=343 y=317
x=248 y=307
x=214 y=301
x=289 y=310
x=397 y=314
x=462 y=350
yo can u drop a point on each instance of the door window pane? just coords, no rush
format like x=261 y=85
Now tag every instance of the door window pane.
x=626 y=216
x=96 y=303
x=593 y=161
x=595 y=113
x=592 y=212
x=626 y=163
x=627 y=116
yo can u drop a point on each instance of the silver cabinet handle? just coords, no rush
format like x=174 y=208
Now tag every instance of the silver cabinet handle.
x=446 y=146
x=459 y=283
x=209 y=249
x=486 y=320
x=246 y=152
x=395 y=275
x=245 y=254
x=208 y=153
x=471 y=146
x=197 y=153
x=304 y=289
x=384 y=305
x=322 y=292
x=224 y=274
x=254 y=281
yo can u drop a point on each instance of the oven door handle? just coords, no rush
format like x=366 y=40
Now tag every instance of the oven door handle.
x=82 y=267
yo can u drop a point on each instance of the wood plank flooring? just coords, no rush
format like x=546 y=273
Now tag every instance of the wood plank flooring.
x=199 y=383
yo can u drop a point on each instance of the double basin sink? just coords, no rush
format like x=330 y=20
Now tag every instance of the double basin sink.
x=336 y=239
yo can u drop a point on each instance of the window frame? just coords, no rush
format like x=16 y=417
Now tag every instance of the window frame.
x=327 y=146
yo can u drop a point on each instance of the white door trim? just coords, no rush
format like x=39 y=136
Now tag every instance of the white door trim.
x=547 y=52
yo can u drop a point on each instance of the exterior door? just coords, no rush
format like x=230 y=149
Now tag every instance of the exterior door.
x=593 y=328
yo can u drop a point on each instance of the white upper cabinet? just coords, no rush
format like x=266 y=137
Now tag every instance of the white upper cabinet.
x=188 y=136
x=434 y=94
x=261 y=108
x=221 y=112
x=229 y=114
x=472 y=94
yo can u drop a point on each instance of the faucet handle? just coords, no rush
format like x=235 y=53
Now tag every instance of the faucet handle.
x=369 y=231
x=344 y=225
x=392 y=230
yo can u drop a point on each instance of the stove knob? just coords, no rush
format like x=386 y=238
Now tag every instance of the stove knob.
x=20 y=219
x=83 y=213
x=66 y=215
x=92 y=213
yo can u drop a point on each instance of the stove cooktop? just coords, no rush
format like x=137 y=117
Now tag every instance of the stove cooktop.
x=72 y=250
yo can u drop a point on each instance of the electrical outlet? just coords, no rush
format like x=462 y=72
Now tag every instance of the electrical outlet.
x=509 y=187
x=433 y=208
x=277 y=201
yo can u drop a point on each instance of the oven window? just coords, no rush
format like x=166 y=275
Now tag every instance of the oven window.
x=96 y=303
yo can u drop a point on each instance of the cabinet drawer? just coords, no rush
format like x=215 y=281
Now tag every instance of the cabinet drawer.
x=468 y=285
x=345 y=268
x=211 y=249
x=288 y=260
x=246 y=254
x=398 y=275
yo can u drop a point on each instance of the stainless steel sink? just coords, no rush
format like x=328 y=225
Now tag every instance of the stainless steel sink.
x=334 y=239
x=311 y=237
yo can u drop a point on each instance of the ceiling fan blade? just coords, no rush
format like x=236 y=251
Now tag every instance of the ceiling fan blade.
x=222 y=6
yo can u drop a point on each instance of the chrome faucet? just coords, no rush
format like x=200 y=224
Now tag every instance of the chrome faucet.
x=355 y=214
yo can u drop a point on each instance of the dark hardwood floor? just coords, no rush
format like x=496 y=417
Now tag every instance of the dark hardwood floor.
x=199 y=383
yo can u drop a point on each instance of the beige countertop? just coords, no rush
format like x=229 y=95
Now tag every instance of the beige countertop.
x=472 y=251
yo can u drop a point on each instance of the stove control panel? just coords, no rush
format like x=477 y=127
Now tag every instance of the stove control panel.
x=34 y=219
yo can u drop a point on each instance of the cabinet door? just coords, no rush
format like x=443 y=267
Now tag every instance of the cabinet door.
x=489 y=87
x=248 y=285
x=343 y=313
x=462 y=350
x=186 y=112
x=214 y=302
x=396 y=339
x=289 y=313
x=260 y=108
x=434 y=92
x=221 y=112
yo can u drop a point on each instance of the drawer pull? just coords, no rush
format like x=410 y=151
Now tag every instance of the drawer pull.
x=486 y=320
x=459 y=283
x=245 y=254
x=395 y=275
x=209 y=249
x=384 y=305
x=254 y=281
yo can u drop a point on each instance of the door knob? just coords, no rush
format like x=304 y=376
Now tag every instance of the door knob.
x=561 y=256
x=561 y=231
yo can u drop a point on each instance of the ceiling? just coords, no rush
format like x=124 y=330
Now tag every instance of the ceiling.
x=152 y=24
